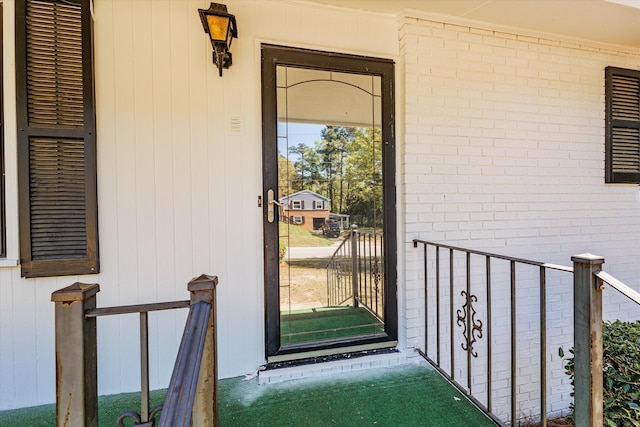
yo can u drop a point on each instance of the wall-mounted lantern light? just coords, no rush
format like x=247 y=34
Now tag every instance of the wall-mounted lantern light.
x=221 y=27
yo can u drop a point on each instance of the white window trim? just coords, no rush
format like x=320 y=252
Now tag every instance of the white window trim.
x=298 y=203
x=297 y=219
x=10 y=137
x=318 y=204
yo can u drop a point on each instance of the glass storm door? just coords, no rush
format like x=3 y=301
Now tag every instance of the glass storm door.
x=329 y=203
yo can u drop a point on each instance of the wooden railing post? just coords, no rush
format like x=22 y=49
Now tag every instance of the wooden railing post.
x=354 y=263
x=76 y=356
x=587 y=296
x=205 y=407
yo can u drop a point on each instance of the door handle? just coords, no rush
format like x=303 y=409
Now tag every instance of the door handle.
x=271 y=202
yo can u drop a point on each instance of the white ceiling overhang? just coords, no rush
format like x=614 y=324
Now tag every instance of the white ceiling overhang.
x=328 y=98
x=611 y=22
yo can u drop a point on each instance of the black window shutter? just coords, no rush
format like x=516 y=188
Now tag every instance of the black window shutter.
x=56 y=138
x=622 y=125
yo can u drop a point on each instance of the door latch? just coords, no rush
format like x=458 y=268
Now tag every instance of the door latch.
x=271 y=203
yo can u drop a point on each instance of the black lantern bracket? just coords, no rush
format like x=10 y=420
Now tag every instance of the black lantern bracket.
x=221 y=27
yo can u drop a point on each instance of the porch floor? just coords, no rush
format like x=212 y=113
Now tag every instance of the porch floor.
x=408 y=395
x=327 y=323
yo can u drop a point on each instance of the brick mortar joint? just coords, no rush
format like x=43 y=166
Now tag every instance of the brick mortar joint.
x=556 y=42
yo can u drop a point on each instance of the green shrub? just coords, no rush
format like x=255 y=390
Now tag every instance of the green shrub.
x=282 y=249
x=621 y=366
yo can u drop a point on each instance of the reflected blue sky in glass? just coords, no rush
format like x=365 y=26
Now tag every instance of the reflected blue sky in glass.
x=301 y=133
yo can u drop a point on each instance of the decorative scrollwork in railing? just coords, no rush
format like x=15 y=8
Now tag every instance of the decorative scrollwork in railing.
x=475 y=324
x=150 y=421
x=377 y=275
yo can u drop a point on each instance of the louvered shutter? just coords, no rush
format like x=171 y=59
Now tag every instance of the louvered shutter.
x=56 y=146
x=622 y=125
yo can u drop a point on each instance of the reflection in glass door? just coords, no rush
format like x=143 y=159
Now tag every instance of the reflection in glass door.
x=329 y=186
x=328 y=209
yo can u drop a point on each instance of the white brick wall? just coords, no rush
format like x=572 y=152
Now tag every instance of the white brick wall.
x=504 y=151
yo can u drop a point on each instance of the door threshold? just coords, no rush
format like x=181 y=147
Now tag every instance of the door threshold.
x=312 y=356
x=328 y=365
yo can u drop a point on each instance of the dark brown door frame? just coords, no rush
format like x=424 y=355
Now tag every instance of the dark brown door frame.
x=273 y=56
x=3 y=221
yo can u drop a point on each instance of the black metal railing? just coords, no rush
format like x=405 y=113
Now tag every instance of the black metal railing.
x=146 y=414
x=355 y=272
x=181 y=394
x=601 y=278
x=191 y=397
x=616 y=284
x=340 y=274
x=461 y=288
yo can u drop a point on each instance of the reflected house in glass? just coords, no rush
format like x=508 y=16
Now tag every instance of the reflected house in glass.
x=305 y=208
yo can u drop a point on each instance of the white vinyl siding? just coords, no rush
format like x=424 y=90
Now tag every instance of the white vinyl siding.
x=177 y=184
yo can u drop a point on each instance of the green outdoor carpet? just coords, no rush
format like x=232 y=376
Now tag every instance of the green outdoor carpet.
x=109 y=409
x=409 y=395
x=326 y=323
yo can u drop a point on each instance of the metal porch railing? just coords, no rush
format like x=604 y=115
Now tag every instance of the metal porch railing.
x=584 y=402
x=469 y=295
x=355 y=272
x=477 y=277
x=617 y=285
x=191 y=397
